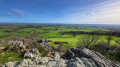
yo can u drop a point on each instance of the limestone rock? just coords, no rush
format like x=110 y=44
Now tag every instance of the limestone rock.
x=96 y=57
x=75 y=57
x=17 y=45
x=49 y=62
x=32 y=53
x=82 y=62
x=112 y=51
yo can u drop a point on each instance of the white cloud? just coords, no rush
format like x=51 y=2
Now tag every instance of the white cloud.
x=15 y=12
x=103 y=13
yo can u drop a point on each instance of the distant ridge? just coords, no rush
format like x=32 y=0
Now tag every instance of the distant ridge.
x=27 y=23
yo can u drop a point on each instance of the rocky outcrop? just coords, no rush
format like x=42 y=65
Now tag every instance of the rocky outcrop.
x=27 y=44
x=17 y=45
x=45 y=44
x=96 y=57
x=75 y=57
x=49 y=62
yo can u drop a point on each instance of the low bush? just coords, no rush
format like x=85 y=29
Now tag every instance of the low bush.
x=7 y=47
x=118 y=50
x=42 y=50
x=103 y=48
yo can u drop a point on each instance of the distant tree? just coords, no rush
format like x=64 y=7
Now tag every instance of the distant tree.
x=56 y=28
x=109 y=38
x=87 y=40
x=74 y=34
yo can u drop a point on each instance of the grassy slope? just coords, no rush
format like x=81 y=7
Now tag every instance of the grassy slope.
x=9 y=56
x=73 y=40
x=50 y=33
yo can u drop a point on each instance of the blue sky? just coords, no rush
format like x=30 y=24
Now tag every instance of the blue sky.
x=61 y=11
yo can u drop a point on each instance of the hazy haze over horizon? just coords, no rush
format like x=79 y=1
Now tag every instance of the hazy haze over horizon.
x=61 y=11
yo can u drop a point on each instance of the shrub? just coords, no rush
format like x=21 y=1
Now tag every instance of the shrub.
x=42 y=50
x=101 y=46
x=87 y=41
x=112 y=57
x=7 y=46
x=118 y=50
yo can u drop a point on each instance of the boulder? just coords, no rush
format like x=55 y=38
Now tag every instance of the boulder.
x=81 y=62
x=10 y=64
x=96 y=57
x=112 y=52
x=17 y=45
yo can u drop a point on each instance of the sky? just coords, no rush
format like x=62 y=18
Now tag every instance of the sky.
x=60 y=11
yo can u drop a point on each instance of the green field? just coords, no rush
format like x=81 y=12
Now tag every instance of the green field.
x=54 y=32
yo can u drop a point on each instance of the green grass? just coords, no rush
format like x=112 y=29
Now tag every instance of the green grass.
x=54 y=32
x=47 y=31
x=10 y=56
x=73 y=40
